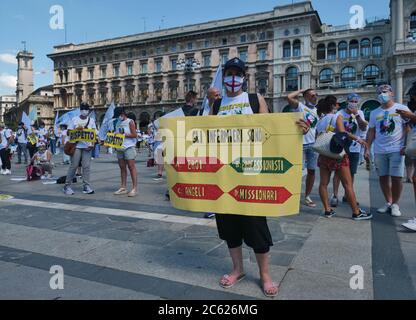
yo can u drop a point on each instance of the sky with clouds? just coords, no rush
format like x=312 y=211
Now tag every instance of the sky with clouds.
x=29 y=20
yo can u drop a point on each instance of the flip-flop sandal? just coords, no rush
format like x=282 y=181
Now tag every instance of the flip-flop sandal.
x=120 y=191
x=267 y=289
x=230 y=284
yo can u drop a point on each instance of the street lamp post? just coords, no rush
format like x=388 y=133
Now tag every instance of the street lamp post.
x=188 y=66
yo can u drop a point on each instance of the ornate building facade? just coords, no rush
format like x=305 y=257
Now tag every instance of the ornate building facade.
x=285 y=49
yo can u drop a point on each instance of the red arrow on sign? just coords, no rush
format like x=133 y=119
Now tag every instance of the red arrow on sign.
x=197 y=191
x=197 y=164
x=253 y=194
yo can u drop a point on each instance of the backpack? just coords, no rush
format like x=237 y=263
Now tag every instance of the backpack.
x=252 y=97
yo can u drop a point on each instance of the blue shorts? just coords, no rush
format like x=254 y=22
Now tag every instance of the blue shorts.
x=354 y=161
x=389 y=164
x=310 y=157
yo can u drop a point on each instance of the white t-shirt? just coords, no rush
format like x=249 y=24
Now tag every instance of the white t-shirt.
x=235 y=105
x=124 y=128
x=389 y=127
x=78 y=122
x=311 y=116
x=327 y=123
x=5 y=135
x=21 y=136
x=351 y=126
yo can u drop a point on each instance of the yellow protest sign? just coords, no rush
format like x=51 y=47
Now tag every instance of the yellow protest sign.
x=82 y=135
x=33 y=139
x=114 y=140
x=243 y=164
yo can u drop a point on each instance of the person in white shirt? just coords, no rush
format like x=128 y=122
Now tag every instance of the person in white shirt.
x=21 y=135
x=411 y=224
x=310 y=157
x=127 y=154
x=354 y=123
x=6 y=137
x=63 y=140
x=333 y=122
x=387 y=132
x=235 y=229
x=83 y=152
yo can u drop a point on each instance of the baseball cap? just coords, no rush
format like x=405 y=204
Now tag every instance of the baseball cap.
x=384 y=87
x=84 y=106
x=235 y=63
x=353 y=97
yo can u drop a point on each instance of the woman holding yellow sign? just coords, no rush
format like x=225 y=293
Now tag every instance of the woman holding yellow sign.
x=122 y=126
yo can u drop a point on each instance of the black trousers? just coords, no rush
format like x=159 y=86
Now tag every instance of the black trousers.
x=5 y=159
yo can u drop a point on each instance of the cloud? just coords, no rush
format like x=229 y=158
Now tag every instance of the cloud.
x=8 y=81
x=8 y=58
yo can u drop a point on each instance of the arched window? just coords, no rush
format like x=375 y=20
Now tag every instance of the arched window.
x=343 y=50
x=365 y=47
x=326 y=75
x=296 y=48
x=287 y=49
x=292 y=79
x=371 y=72
x=262 y=86
x=321 y=52
x=348 y=76
x=354 y=49
x=413 y=22
x=377 y=46
x=332 y=51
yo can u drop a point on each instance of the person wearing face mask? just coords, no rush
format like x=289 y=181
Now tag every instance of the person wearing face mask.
x=43 y=159
x=387 y=132
x=21 y=136
x=6 y=138
x=234 y=229
x=127 y=154
x=82 y=153
x=354 y=123
x=310 y=158
x=42 y=133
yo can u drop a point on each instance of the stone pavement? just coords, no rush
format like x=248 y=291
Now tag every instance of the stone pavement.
x=142 y=248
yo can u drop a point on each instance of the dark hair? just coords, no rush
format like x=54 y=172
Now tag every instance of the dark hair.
x=132 y=116
x=119 y=111
x=323 y=107
x=307 y=91
x=331 y=100
x=190 y=95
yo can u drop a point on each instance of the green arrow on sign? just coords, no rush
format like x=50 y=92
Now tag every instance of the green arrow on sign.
x=261 y=165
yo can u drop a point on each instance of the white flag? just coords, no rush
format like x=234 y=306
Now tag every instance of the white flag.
x=27 y=122
x=107 y=118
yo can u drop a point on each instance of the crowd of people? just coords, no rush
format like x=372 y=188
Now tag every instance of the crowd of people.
x=381 y=140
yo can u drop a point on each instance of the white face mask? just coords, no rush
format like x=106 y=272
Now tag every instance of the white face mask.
x=85 y=113
x=384 y=98
x=233 y=83
x=352 y=105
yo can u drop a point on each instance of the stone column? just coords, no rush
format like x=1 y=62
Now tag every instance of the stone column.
x=400 y=20
x=399 y=86
x=122 y=92
x=151 y=89
x=136 y=91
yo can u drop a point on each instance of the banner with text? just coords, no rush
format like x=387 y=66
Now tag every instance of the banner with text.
x=114 y=140
x=244 y=164
x=82 y=135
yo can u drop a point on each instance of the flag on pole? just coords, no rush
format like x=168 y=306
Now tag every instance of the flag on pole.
x=107 y=118
x=67 y=117
x=55 y=126
x=33 y=115
x=216 y=83
x=27 y=122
